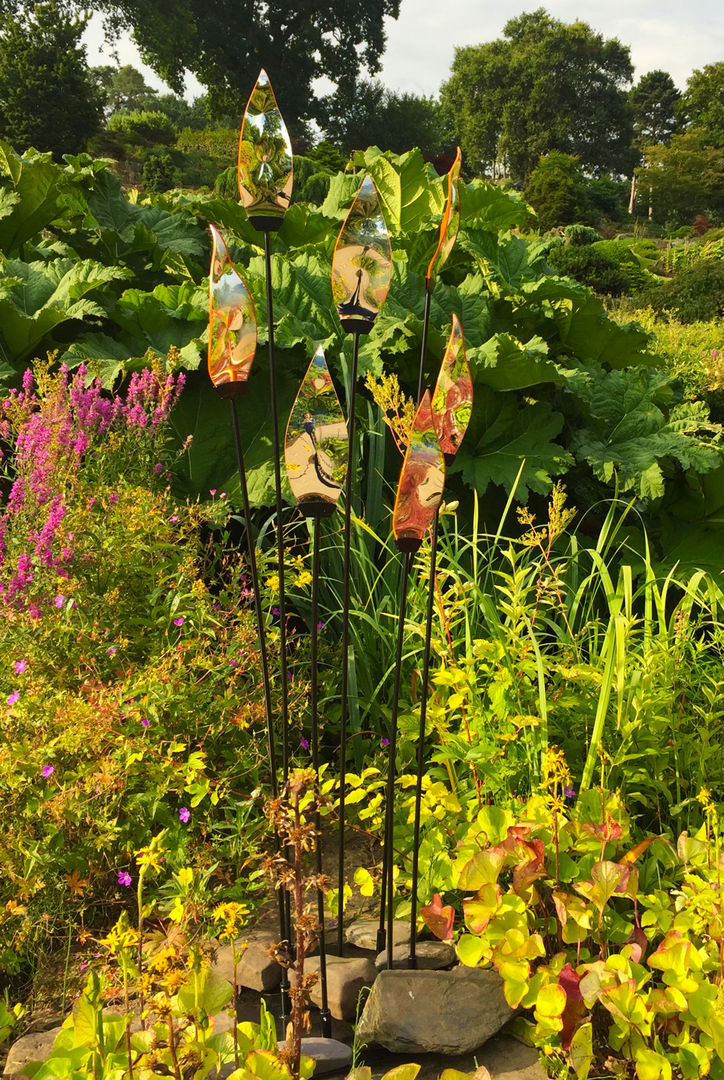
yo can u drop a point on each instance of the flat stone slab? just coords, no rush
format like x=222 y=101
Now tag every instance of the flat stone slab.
x=504 y=1056
x=430 y=956
x=445 y=1012
x=35 y=1046
x=331 y=1055
x=363 y=933
x=256 y=969
x=347 y=976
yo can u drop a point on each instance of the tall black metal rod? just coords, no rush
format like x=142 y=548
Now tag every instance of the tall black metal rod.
x=423 y=347
x=351 y=400
x=283 y=916
x=387 y=855
x=276 y=452
x=325 y=1015
x=412 y=959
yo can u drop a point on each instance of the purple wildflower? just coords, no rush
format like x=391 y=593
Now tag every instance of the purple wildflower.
x=46 y=771
x=124 y=878
x=180 y=621
x=59 y=600
x=569 y=792
x=275 y=611
x=321 y=625
x=12 y=698
x=145 y=722
x=20 y=666
x=184 y=815
x=112 y=651
x=384 y=742
x=304 y=743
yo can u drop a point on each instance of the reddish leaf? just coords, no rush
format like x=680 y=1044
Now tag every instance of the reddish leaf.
x=575 y=1008
x=440 y=920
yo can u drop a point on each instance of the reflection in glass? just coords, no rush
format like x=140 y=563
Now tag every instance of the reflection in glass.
x=265 y=159
x=422 y=480
x=449 y=225
x=232 y=323
x=362 y=262
x=452 y=399
x=316 y=445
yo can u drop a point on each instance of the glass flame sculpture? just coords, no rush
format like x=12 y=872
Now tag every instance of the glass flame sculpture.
x=232 y=323
x=316 y=442
x=452 y=398
x=422 y=480
x=449 y=225
x=265 y=170
x=362 y=262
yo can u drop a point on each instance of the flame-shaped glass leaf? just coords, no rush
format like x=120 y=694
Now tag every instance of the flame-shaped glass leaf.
x=266 y=172
x=449 y=225
x=452 y=398
x=422 y=480
x=232 y=323
x=362 y=262
x=316 y=443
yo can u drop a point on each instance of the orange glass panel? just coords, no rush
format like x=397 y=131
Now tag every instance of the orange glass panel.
x=362 y=262
x=232 y=323
x=452 y=398
x=422 y=480
x=266 y=171
x=316 y=442
x=449 y=225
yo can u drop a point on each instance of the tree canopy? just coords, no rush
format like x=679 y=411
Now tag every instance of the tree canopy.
x=48 y=98
x=546 y=85
x=702 y=103
x=655 y=102
x=226 y=42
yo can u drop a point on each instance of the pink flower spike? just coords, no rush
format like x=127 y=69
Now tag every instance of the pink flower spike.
x=46 y=771
x=59 y=600
x=20 y=666
x=180 y=621
x=184 y=815
x=13 y=697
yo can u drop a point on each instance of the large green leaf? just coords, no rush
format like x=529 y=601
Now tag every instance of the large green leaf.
x=631 y=428
x=506 y=364
x=503 y=435
x=37 y=297
x=32 y=190
x=410 y=193
x=491 y=206
x=169 y=315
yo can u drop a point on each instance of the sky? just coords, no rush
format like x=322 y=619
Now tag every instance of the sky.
x=669 y=34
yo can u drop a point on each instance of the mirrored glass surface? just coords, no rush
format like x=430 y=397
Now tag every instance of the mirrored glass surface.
x=422 y=480
x=316 y=442
x=232 y=322
x=452 y=399
x=265 y=170
x=362 y=262
x=450 y=223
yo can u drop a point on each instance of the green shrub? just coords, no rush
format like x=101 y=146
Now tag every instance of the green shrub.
x=591 y=268
x=144 y=127
x=158 y=172
x=695 y=294
x=226 y=183
x=580 y=235
x=556 y=191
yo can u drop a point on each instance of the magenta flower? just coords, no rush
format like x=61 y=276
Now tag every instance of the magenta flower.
x=180 y=621
x=212 y=491
x=59 y=600
x=46 y=771
x=13 y=697
x=184 y=814
x=304 y=743
x=173 y=518
x=20 y=666
x=145 y=722
x=124 y=878
x=384 y=742
x=569 y=792
x=112 y=651
x=321 y=625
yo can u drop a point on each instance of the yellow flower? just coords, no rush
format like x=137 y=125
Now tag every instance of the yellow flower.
x=305 y=578
x=272 y=582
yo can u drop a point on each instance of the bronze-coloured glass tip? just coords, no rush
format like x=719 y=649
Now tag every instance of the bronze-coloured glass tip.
x=316 y=442
x=449 y=225
x=232 y=323
x=362 y=262
x=265 y=170
x=452 y=398
x=422 y=480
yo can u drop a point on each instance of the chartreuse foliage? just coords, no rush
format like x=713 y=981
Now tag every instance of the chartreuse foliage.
x=616 y=948
x=558 y=385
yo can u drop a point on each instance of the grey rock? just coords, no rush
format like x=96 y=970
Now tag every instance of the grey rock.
x=363 y=933
x=507 y=1058
x=447 y=1012
x=256 y=970
x=35 y=1046
x=331 y=1055
x=430 y=956
x=347 y=976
